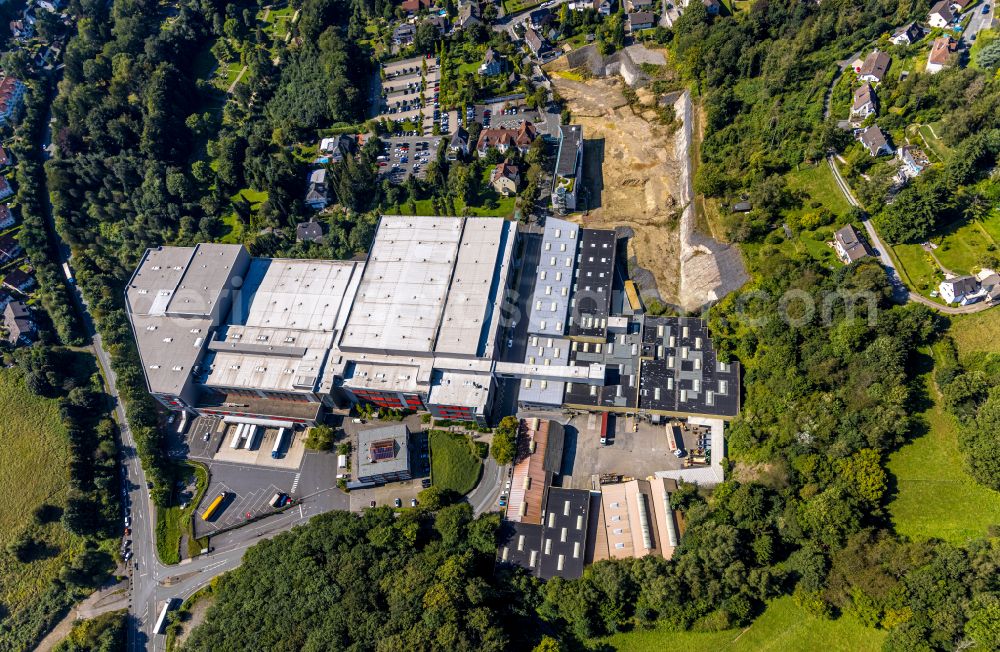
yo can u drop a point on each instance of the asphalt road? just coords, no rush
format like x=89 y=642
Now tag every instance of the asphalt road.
x=978 y=22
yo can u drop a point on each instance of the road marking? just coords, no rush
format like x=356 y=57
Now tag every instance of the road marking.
x=295 y=482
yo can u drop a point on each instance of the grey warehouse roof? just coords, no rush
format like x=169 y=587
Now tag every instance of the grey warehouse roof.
x=549 y=307
x=432 y=284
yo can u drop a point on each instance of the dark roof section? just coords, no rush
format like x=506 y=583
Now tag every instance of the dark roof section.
x=572 y=135
x=520 y=545
x=594 y=282
x=876 y=64
x=854 y=246
x=874 y=140
x=554 y=448
x=680 y=372
x=308 y=231
x=558 y=547
x=963 y=285
x=564 y=533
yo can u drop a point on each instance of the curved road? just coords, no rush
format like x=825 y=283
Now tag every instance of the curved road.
x=883 y=251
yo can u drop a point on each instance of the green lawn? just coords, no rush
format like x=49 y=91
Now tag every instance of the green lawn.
x=918 y=269
x=173 y=522
x=818 y=184
x=926 y=135
x=34 y=462
x=454 y=462
x=962 y=246
x=517 y=6
x=783 y=626
x=935 y=497
x=976 y=333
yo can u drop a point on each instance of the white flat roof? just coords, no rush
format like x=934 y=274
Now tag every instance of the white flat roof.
x=306 y=295
x=432 y=284
x=384 y=378
x=399 y=304
x=472 y=310
x=469 y=390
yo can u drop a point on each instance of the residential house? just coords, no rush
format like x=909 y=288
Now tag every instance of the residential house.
x=504 y=139
x=941 y=15
x=865 y=102
x=505 y=178
x=534 y=42
x=10 y=248
x=712 y=7
x=907 y=35
x=310 y=231
x=602 y=7
x=989 y=281
x=11 y=94
x=19 y=280
x=633 y=6
x=404 y=34
x=941 y=54
x=962 y=290
x=493 y=63
x=412 y=7
x=913 y=161
x=22 y=29
x=639 y=21
x=468 y=15
x=316 y=197
x=458 y=146
x=874 y=141
x=4 y=158
x=849 y=245
x=569 y=169
x=51 y=6
x=5 y=189
x=6 y=217
x=874 y=67
x=334 y=149
x=439 y=22
x=539 y=18
x=18 y=322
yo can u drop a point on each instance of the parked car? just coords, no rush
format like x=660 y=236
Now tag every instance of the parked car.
x=413 y=502
x=398 y=502
x=371 y=504
x=503 y=500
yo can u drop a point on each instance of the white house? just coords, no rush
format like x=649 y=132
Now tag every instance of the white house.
x=940 y=15
x=864 y=103
x=962 y=290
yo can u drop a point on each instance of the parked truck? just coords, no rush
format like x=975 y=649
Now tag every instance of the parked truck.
x=213 y=507
x=278 y=441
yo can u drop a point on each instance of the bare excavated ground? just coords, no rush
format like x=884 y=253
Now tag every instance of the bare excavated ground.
x=629 y=168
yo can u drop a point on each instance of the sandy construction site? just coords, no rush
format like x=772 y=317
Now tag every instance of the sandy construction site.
x=636 y=173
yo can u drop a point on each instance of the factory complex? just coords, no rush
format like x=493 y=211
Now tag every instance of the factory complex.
x=431 y=320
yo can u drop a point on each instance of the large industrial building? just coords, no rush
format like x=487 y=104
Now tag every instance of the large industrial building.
x=421 y=324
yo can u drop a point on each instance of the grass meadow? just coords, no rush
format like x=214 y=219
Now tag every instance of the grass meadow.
x=454 y=462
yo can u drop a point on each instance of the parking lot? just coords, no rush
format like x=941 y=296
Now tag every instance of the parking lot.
x=251 y=477
x=409 y=93
x=406 y=155
x=636 y=454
